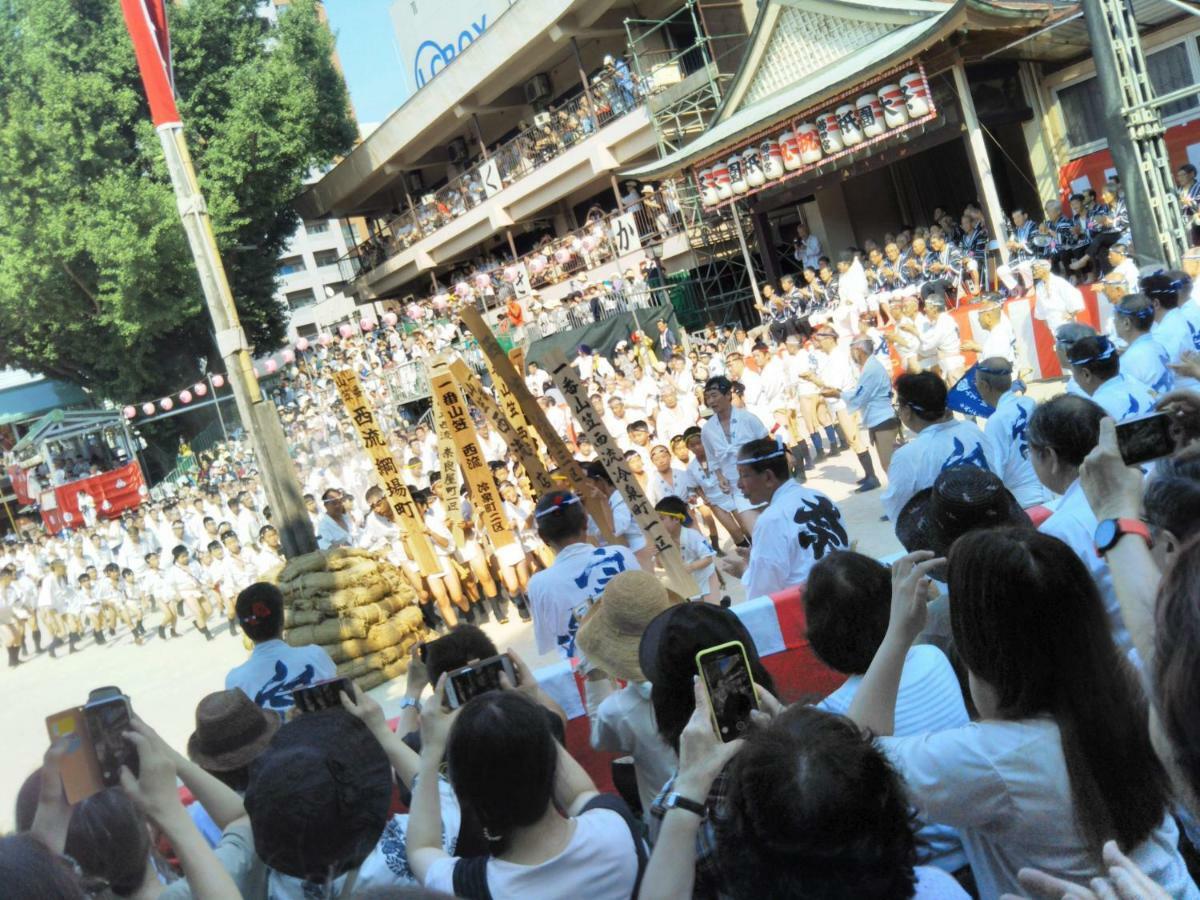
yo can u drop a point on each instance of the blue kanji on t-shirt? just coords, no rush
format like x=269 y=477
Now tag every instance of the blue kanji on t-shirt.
x=276 y=693
x=960 y=457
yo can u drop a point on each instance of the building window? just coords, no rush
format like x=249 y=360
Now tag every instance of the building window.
x=316 y=227
x=1170 y=69
x=334 y=288
x=325 y=258
x=301 y=299
x=290 y=265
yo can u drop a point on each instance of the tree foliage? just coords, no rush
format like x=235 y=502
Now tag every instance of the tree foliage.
x=97 y=283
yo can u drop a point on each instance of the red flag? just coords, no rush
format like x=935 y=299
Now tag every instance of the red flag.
x=146 y=21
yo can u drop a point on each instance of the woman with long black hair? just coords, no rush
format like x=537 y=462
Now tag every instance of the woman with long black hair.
x=1060 y=760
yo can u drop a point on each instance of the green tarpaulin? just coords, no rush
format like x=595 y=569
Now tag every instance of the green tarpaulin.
x=604 y=335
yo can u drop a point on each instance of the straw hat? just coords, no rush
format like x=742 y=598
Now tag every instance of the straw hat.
x=612 y=631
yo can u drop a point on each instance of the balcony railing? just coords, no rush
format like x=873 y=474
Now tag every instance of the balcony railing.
x=656 y=216
x=552 y=133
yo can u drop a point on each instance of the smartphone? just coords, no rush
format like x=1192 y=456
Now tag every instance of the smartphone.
x=322 y=695
x=103 y=693
x=725 y=673
x=471 y=681
x=80 y=770
x=1145 y=438
x=107 y=721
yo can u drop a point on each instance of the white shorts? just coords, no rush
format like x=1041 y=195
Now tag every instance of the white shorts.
x=510 y=554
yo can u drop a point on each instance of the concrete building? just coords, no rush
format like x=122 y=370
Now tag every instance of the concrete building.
x=523 y=115
x=518 y=131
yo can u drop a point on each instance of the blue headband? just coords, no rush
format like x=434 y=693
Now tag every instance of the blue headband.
x=1107 y=351
x=774 y=454
x=1146 y=312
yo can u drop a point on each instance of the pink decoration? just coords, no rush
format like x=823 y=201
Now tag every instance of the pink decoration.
x=185 y=397
x=462 y=289
x=130 y=412
x=482 y=282
x=538 y=264
x=200 y=389
x=511 y=274
x=166 y=404
x=345 y=330
x=148 y=409
x=288 y=356
x=218 y=381
x=366 y=324
x=390 y=319
x=590 y=243
x=324 y=340
x=302 y=344
x=271 y=366
x=562 y=255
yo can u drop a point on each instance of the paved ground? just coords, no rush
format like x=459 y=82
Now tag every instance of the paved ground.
x=167 y=679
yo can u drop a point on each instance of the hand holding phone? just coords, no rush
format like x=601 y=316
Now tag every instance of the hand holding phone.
x=725 y=675
x=479 y=678
x=108 y=720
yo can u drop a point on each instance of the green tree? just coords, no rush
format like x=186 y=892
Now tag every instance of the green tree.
x=96 y=280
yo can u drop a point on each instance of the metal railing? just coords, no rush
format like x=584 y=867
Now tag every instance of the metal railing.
x=554 y=131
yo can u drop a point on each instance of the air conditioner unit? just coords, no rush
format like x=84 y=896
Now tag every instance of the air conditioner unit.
x=416 y=183
x=538 y=89
x=542 y=119
x=457 y=150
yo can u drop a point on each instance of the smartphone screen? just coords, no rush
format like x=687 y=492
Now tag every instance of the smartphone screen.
x=471 y=681
x=322 y=695
x=107 y=721
x=730 y=686
x=1143 y=439
x=80 y=771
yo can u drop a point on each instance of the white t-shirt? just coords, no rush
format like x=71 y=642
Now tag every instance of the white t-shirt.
x=599 y=863
x=1006 y=428
x=275 y=669
x=1004 y=785
x=798 y=527
x=929 y=700
x=943 y=445
x=693 y=546
x=561 y=594
x=624 y=723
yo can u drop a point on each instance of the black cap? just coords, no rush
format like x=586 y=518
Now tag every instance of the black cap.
x=319 y=796
x=667 y=652
x=962 y=499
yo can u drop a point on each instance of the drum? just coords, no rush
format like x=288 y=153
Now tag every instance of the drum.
x=810 y=143
x=895 y=113
x=772 y=156
x=830 y=133
x=737 y=174
x=720 y=174
x=870 y=115
x=708 y=188
x=752 y=162
x=847 y=119
x=917 y=99
x=790 y=145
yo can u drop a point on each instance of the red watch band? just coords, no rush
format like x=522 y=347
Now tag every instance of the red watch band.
x=1117 y=529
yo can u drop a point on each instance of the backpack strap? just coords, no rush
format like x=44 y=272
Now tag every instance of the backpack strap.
x=470 y=878
x=621 y=808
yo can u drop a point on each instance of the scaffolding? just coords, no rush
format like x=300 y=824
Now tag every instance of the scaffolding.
x=685 y=63
x=1121 y=64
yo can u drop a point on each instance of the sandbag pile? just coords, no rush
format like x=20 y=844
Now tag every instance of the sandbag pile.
x=358 y=607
